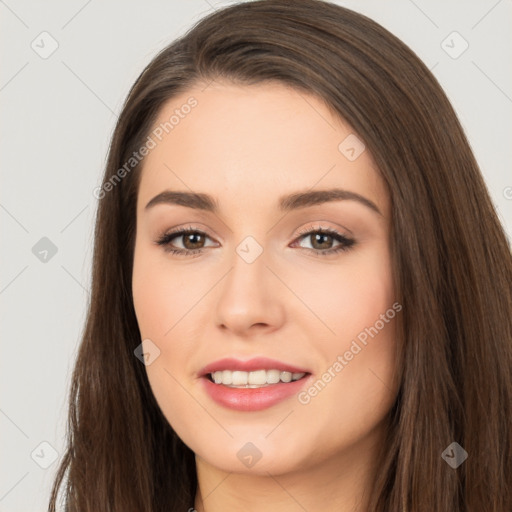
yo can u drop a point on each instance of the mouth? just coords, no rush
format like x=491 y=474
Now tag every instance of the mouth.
x=254 y=379
x=254 y=373
x=253 y=385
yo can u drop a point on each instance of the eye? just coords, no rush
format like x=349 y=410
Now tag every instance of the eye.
x=322 y=241
x=192 y=240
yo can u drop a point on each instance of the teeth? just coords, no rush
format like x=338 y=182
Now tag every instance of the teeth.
x=239 y=378
x=259 y=377
x=273 y=376
x=226 y=377
x=256 y=379
x=286 y=376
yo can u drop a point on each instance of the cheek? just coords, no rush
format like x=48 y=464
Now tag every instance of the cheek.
x=356 y=385
x=349 y=297
x=152 y=304
x=160 y=301
x=358 y=346
x=364 y=384
x=161 y=293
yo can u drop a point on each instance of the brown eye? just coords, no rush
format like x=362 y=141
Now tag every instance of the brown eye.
x=193 y=240
x=321 y=241
x=325 y=241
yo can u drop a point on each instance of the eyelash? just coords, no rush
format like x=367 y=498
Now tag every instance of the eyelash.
x=345 y=243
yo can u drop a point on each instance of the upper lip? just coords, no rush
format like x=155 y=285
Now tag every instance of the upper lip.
x=257 y=363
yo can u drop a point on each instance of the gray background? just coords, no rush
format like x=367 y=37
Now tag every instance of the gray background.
x=58 y=114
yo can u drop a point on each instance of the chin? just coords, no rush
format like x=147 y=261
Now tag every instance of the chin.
x=254 y=455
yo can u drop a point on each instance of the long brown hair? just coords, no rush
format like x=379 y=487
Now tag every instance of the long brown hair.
x=452 y=270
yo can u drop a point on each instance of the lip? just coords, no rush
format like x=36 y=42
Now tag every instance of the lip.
x=252 y=399
x=257 y=363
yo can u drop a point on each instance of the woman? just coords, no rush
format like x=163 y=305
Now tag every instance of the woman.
x=301 y=294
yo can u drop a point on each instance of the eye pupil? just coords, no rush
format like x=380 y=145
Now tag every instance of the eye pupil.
x=319 y=237
x=190 y=238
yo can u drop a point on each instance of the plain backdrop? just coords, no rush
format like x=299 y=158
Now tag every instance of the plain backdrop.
x=58 y=111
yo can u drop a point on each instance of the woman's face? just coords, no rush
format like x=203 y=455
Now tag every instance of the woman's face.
x=265 y=273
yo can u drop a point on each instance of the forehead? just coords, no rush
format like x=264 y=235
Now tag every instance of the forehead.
x=252 y=143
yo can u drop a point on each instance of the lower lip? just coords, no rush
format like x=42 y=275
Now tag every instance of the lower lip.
x=252 y=399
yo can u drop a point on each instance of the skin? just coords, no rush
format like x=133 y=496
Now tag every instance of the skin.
x=247 y=146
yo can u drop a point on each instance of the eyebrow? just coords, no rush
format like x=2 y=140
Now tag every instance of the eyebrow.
x=286 y=203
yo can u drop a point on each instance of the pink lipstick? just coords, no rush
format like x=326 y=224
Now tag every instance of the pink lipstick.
x=252 y=385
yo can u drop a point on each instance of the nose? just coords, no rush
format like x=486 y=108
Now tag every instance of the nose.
x=250 y=299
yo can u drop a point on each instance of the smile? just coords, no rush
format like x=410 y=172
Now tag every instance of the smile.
x=253 y=379
x=253 y=384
